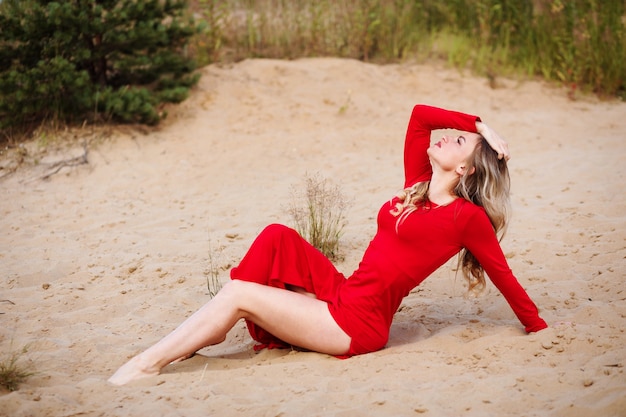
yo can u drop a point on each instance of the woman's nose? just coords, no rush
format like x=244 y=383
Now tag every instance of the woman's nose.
x=445 y=139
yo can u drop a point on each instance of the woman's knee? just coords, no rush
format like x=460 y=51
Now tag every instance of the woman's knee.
x=240 y=294
x=233 y=288
x=237 y=290
x=233 y=294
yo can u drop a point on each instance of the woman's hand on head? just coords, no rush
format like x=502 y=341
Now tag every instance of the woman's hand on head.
x=494 y=140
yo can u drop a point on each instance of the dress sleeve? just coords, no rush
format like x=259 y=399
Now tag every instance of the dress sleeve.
x=425 y=119
x=481 y=241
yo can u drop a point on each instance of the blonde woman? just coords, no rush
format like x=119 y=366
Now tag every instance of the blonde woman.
x=454 y=201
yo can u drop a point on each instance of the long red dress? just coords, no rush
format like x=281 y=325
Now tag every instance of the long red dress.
x=397 y=259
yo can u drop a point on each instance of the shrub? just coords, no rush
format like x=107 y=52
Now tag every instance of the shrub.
x=84 y=60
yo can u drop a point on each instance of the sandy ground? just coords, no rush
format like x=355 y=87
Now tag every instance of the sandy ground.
x=101 y=260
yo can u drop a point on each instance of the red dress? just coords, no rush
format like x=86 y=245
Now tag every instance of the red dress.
x=396 y=261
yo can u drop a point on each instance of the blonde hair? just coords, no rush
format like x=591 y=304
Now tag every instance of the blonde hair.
x=487 y=186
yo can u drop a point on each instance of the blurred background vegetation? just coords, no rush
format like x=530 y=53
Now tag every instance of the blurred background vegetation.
x=122 y=60
x=577 y=42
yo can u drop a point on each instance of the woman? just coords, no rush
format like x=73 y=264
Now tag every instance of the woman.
x=454 y=201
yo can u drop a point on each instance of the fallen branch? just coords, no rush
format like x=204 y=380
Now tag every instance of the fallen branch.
x=6 y=301
x=72 y=162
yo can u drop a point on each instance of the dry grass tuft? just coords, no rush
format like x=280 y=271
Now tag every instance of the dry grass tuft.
x=212 y=273
x=12 y=371
x=318 y=212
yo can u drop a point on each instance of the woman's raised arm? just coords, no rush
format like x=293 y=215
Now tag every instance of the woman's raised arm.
x=425 y=119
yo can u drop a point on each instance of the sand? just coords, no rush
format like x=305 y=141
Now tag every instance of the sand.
x=101 y=260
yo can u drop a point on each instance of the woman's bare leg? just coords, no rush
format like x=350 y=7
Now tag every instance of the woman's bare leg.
x=295 y=318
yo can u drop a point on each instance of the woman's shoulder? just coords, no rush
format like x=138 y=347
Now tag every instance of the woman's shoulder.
x=468 y=209
x=466 y=204
x=472 y=218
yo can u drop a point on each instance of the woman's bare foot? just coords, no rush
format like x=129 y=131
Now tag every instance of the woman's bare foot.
x=133 y=370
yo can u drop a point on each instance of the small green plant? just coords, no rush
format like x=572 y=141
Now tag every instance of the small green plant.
x=346 y=104
x=318 y=214
x=12 y=371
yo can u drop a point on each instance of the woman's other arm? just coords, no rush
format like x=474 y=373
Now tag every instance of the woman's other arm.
x=482 y=242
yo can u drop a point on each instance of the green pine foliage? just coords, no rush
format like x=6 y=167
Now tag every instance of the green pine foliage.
x=77 y=60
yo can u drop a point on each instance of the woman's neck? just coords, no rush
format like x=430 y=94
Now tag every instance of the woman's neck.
x=441 y=189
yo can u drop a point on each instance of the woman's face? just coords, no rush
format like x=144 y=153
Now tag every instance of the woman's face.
x=451 y=153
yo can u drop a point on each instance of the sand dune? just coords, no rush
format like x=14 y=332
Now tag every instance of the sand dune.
x=101 y=260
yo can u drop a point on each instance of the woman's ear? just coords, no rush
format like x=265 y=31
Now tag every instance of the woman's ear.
x=461 y=170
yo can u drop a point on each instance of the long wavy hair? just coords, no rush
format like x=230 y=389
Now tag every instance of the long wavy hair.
x=488 y=186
